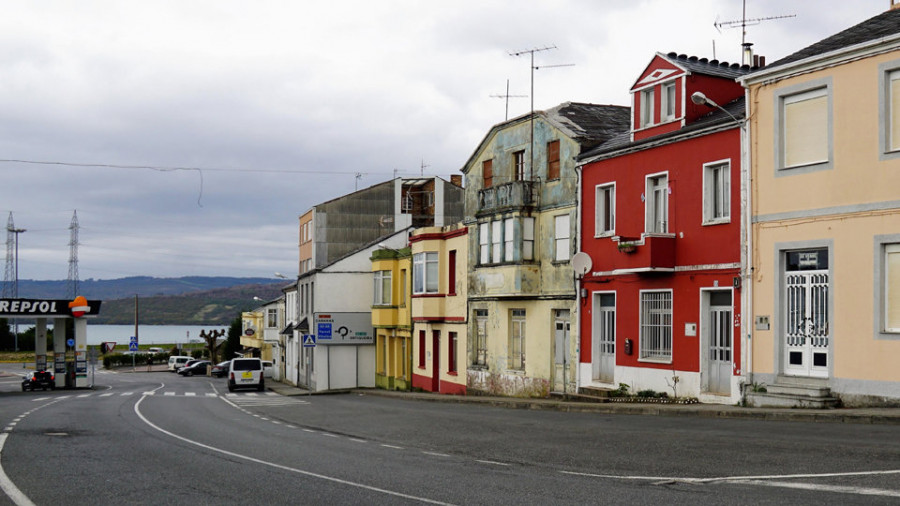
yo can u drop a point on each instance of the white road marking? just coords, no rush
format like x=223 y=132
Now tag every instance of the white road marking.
x=190 y=394
x=169 y=393
x=11 y=490
x=392 y=446
x=105 y=395
x=491 y=462
x=436 y=454
x=279 y=466
x=126 y=394
x=823 y=488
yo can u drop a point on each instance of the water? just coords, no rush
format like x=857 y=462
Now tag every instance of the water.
x=147 y=334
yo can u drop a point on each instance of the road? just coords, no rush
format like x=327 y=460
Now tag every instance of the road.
x=158 y=438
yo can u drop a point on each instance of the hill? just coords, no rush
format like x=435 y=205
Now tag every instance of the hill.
x=142 y=286
x=210 y=307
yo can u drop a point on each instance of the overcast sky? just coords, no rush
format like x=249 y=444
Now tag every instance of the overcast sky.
x=280 y=104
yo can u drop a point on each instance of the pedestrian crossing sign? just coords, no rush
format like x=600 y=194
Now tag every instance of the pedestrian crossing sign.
x=309 y=341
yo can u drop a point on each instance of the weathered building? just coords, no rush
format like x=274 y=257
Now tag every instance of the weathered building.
x=391 y=317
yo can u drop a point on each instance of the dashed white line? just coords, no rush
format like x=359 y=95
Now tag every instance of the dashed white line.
x=436 y=454
x=392 y=446
x=492 y=462
x=190 y=394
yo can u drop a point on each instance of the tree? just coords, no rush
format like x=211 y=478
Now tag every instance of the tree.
x=6 y=335
x=212 y=342
x=233 y=344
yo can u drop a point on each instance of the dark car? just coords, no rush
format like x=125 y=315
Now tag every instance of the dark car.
x=220 y=370
x=198 y=367
x=39 y=379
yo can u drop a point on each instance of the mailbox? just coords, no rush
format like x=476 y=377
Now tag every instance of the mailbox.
x=628 y=346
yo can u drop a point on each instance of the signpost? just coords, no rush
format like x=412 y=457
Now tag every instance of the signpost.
x=133 y=348
x=309 y=341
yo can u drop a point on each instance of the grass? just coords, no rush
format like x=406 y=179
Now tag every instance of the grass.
x=14 y=357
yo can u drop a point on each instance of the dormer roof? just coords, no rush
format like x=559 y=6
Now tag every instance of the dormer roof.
x=665 y=66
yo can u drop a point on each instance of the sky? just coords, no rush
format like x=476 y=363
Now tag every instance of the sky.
x=189 y=136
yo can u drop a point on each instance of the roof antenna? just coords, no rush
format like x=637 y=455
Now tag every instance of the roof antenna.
x=507 y=96
x=744 y=22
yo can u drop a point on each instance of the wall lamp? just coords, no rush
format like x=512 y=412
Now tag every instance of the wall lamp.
x=700 y=99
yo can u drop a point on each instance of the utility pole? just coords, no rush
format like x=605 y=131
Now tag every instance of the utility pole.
x=73 y=256
x=11 y=230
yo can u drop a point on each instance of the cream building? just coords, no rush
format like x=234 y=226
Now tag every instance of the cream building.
x=824 y=243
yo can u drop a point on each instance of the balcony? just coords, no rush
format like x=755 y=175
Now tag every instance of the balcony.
x=650 y=253
x=512 y=195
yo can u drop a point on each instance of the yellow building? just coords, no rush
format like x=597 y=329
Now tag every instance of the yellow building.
x=824 y=242
x=391 y=318
x=439 y=292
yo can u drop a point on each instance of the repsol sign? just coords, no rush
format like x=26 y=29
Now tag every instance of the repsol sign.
x=48 y=307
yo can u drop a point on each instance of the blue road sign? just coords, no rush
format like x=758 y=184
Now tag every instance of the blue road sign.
x=324 y=331
x=133 y=346
x=70 y=342
x=309 y=341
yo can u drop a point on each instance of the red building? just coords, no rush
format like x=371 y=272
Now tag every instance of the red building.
x=661 y=221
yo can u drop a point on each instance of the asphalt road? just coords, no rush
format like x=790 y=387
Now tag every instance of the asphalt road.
x=158 y=438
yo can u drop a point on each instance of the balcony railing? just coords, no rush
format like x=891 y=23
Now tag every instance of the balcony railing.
x=515 y=194
x=650 y=253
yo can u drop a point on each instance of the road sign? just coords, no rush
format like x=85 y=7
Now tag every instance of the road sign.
x=70 y=342
x=309 y=341
x=133 y=346
x=323 y=331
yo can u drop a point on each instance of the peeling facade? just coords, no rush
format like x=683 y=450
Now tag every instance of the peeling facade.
x=520 y=197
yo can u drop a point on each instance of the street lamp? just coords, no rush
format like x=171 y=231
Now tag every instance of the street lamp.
x=16 y=231
x=280 y=275
x=700 y=99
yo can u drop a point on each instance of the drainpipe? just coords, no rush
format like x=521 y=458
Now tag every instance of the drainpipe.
x=747 y=250
x=576 y=280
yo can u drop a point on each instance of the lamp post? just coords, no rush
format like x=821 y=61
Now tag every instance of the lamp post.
x=16 y=231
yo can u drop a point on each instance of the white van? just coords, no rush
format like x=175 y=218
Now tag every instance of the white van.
x=268 y=368
x=246 y=372
x=155 y=350
x=177 y=361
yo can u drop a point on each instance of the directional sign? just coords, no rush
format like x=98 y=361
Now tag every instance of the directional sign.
x=323 y=330
x=309 y=341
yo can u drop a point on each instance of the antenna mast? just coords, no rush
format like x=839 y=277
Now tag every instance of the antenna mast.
x=8 y=273
x=73 y=256
x=507 y=96
x=744 y=22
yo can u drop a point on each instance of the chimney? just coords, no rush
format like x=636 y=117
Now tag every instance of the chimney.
x=456 y=179
x=748 y=53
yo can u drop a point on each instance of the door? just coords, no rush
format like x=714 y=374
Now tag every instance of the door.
x=560 y=349
x=435 y=360
x=807 y=331
x=604 y=337
x=719 y=342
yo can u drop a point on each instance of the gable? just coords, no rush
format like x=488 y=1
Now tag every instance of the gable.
x=657 y=71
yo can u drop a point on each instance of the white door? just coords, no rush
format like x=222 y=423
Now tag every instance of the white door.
x=561 y=345
x=807 y=331
x=719 y=340
x=604 y=337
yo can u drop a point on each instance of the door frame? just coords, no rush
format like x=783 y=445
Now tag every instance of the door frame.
x=556 y=317
x=704 y=335
x=595 y=333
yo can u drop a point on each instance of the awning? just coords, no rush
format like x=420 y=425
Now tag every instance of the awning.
x=289 y=330
x=303 y=326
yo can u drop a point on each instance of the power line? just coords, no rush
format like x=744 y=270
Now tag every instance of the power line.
x=161 y=168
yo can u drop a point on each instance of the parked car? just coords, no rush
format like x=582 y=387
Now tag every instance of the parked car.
x=195 y=367
x=177 y=361
x=246 y=373
x=155 y=350
x=220 y=370
x=268 y=368
x=39 y=379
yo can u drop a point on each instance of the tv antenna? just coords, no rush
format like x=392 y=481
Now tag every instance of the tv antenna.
x=744 y=22
x=531 y=52
x=422 y=168
x=72 y=283
x=507 y=96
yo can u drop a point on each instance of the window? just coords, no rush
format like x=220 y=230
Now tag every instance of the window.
x=605 y=210
x=519 y=165
x=451 y=272
x=382 y=288
x=508 y=249
x=272 y=318
x=451 y=352
x=425 y=272
x=402 y=287
x=496 y=240
x=668 y=101
x=484 y=243
x=894 y=111
x=803 y=126
x=889 y=101
x=716 y=192
x=479 y=347
x=647 y=107
x=656 y=326
x=516 y=339
x=421 y=349
x=657 y=204
x=487 y=173
x=891 y=288
x=527 y=238
x=552 y=160
x=561 y=238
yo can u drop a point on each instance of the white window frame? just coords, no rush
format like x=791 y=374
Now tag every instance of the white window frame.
x=784 y=98
x=508 y=239
x=656 y=203
x=516 y=345
x=668 y=107
x=717 y=192
x=528 y=238
x=889 y=118
x=381 y=297
x=425 y=272
x=646 y=101
x=484 y=242
x=518 y=165
x=478 y=355
x=656 y=324
x=496 y=241
x=562 y=238
x=605 y=207
x=889 y=295
x=272 y=318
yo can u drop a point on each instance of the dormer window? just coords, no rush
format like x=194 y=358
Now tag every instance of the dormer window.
x=647 y=107
x=668 y=101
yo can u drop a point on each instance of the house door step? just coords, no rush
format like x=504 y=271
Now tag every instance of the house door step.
x=794 y=392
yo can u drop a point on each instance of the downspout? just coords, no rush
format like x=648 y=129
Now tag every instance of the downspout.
x=576 y=280
x=747 y=250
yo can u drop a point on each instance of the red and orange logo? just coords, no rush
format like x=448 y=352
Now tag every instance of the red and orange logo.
x=79 y=307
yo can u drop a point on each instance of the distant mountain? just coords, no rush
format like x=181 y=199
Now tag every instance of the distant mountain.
x=211 y=307
x=142 y=286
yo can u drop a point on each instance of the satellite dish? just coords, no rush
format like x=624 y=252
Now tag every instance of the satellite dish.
x=581 y=263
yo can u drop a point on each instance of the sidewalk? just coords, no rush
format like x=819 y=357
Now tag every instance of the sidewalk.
x=889 y=416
